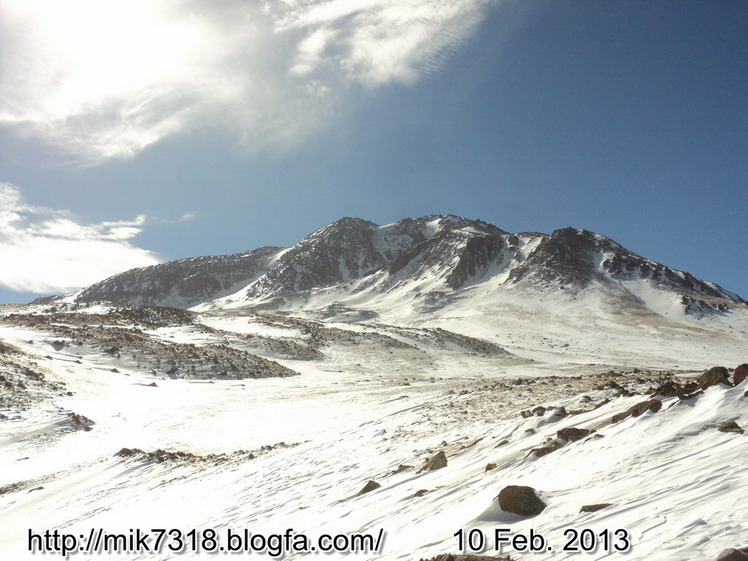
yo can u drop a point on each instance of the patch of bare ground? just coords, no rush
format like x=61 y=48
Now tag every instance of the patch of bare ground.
x=118 y=338
x=23 y=382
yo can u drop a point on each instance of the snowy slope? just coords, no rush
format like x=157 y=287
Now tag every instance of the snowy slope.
x=375 y=403
x=300 y=375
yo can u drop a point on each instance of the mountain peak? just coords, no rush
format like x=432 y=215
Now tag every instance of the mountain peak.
x=436 y=254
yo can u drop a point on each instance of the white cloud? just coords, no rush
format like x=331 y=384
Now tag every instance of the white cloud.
x=48 y=251
x=103 y=80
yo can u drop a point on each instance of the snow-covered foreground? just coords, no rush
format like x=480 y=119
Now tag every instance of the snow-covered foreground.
x=289 y=456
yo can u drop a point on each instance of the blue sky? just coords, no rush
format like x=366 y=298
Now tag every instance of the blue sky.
x=225 y=128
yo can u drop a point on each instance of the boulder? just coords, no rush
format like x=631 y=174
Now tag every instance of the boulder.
x=594 y=508
x=730 y=426
x=740 y=374
x=520 y=499
x=572 y=434
x=715 y=375
x=370 y=486
x=546 y=449
x=438 y=461
x=671 y=388
x=653 y=405
x=732 y=554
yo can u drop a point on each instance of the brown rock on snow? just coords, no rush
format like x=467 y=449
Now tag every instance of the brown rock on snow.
x=733 y=555
x=572 y=434
x=730 y=426
x=520 y=499
x=551 y=446
x=594 y=508
x=715 y=375
x=653 y=405
x=437 y=461
x=370 y=486
x=740 y=374
x=671 y=388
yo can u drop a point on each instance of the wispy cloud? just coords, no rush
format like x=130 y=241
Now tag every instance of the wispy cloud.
x=49 y=251
x=102 y=80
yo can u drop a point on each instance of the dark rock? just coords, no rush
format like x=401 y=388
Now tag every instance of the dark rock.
x=713 y=376
x=549 y=447
x=438 y=461
x=730 y=426
x=370 y=486
x=490 y=466
x=732 y=554
x=740 y=374
x=594 y=508
x=653 y=405
x=572 y=434
x=128 y=452
x=671 y=388
x=421 y=492
x=520 y=499
x=80 y=421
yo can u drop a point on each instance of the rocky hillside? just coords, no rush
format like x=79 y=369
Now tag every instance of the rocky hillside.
x=427 y=254
x=183 y=283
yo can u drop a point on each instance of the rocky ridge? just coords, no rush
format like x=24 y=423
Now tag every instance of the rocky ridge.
x=358 y=257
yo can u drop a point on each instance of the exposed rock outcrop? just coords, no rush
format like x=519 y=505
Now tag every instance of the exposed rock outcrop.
x=572 y=434
x=715 y=375
x=438 y=461
x=370 y=486
x=595 y=507
x=732 y=554
x=653 y=405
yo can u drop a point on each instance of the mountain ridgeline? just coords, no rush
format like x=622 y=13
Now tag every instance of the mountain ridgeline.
x=355 y=257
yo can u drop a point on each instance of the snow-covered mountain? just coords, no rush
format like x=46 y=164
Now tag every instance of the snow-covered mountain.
x=384 y=384
x=357 y=260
